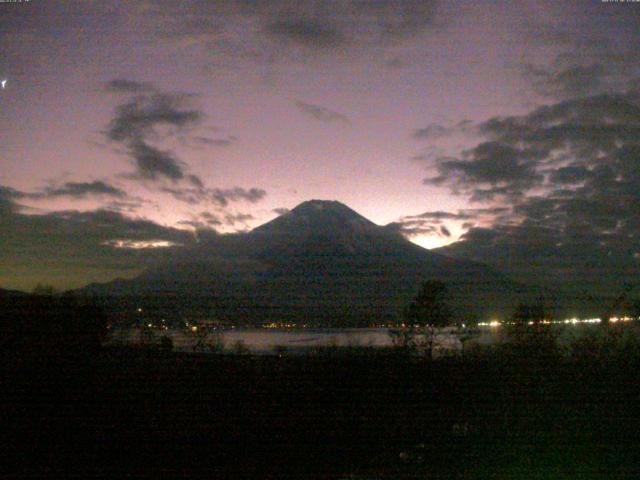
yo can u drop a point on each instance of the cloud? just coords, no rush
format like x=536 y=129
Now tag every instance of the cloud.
x=153 y=163
x=432 y=222
x=223 y=196
x=121 y=85
x=139 y=121
x=440 y=215
x=435 y=131
x=568 y=174
x=200 y=137
x=589 y=60
x=266 y=31
x=281 y=211
x=67 y=189
x=321 y=113
x=196 y=181
x=430 y=132
x=566 y=82
x=233 y=219
x=82 y=189
x=147 y=117
x=197 y=141
x=138 y=118
x=202 y=221
x=220 y=197
x=319 y=34
x=71 y=248
x=412 y=229
x=489 y=169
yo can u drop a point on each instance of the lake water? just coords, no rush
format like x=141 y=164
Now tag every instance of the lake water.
x=268 y=341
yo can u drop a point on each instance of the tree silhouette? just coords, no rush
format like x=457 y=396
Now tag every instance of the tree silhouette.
x=428 y=311
x=635 y=309
x=44 y=290
x=529 y=332
x=51 y=325
x=526 y=314
x=430 y=307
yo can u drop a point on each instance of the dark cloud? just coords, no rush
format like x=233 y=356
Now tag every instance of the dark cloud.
x=488 y=170
x=570 y=141
x=440 y=215
x=129 y=86
x=567 y=82
x=232 y=219
x=223 y=196
x=415 y=227
x=199 y=142
x=281 y=211
x=153 y=163
x=210 y=218
x=9 y=194
x=568 y=175
x=321 y=113
x=218 y=142
x=128 y=206
x=139 y=121
x=203 y=221
x=412 y=229
x=591 y=60
x=430 y=132
x=435 y=131
x=195 y=181
x=575 y=259
x=139 y=118
x=189 y=195
x=220 y=197
x=71 y=248
x=68 y=189
x=264 y=30
x=82 y=189
x=431 y=222
x=320 y=34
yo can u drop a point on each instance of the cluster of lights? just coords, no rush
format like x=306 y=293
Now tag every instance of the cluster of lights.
x=568 y=321
x=284 y=325
x=162 y=325
x=620 y=319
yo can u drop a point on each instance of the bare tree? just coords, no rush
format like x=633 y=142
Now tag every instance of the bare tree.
x=428 y=312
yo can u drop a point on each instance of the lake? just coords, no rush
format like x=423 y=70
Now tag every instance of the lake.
x=268 y=341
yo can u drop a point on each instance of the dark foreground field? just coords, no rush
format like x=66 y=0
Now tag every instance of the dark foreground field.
x=334 y=414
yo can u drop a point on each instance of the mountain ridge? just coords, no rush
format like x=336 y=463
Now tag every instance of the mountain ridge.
x=321 y=263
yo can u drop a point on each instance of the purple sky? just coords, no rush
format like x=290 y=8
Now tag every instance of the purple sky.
x=199 y=114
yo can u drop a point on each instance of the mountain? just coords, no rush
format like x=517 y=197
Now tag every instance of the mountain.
x=11 y=293
x=321 y=264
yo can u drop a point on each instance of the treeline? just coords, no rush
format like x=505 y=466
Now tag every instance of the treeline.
x=46 y=323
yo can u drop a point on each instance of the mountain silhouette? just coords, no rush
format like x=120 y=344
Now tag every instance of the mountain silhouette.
x=321 y=264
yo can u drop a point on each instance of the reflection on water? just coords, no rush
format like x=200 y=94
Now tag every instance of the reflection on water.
x=268 y=341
